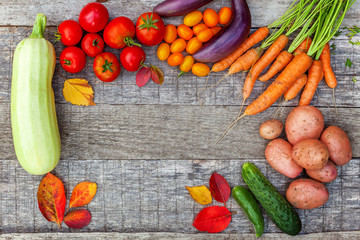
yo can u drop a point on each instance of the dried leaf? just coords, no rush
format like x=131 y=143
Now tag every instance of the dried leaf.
x=219 y=188
x=78 y=92
x=212 y=219
x=200 y=194
x=51 y=198
x=78 y=219
x=143 y=76
x=157 y=75
x=82 y=194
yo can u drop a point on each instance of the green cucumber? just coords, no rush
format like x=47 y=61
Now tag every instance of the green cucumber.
x=33 y=117
x=250 y=206
x=276 y=206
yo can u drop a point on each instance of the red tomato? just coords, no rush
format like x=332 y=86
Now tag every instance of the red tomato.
x=92 y=44
x=72 y=59
x=106 y=67
x=150 y=29
x=132 y=58
x=94 y=17
x=69 y=32
x=119 y=32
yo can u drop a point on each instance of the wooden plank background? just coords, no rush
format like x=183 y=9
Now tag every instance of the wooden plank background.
x=143 y=145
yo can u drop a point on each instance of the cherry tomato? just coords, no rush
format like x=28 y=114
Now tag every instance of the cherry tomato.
x=193 y=45
x=186 y=65
x=225 y=15
x=132 y=58
x=216 y=29
x=184 y=32
x=69 y=32
x=175 y=59
x=119 y=32
x=198 y=27
x=163 y=51
x=210 y=17
x=93 y=17
x=178 y=45
x=150 y=29
x=92 y=44
x=72 y=59
x=170 y=33
x=205 y=35
x=193 y=18
x=200 y=69
x=106 y=67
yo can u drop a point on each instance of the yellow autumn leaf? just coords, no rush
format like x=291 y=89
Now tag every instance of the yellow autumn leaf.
x=200 y=194
x=78 y=91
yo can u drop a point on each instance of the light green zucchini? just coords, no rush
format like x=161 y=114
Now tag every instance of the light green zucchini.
x=33 y=117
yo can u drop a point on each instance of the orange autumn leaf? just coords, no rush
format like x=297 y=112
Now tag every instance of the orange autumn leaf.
x=78 y=92
x=82 y=194
x=200 y=194
x=51 y=198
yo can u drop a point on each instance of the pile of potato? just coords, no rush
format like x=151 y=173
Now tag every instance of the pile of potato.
x=309 y=147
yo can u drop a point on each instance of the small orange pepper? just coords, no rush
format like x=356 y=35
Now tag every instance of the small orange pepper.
x=200 y=69
x=186 y=65
x=193 y=18
x=163 y=51
x=170 y=33
x=184 y=32
x=216 y=29
x=210 y=17
x=205 y=35
x=175 y=59
x=193 y=45
x=225 y=15
x=178 y=45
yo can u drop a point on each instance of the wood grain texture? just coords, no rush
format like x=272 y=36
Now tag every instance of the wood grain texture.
x=143 y=195
x=165 y=132
x=176 y=236
x=22 y=12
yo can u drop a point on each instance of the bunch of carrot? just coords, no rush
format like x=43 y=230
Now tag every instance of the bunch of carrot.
x=319 y=19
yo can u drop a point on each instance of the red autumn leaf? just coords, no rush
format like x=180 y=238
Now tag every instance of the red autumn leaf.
x=143 y=76
x=82 y=194
x=212 y=219
x=157 y=75
x=219 y=188
x=78 y=219
x=51 y=198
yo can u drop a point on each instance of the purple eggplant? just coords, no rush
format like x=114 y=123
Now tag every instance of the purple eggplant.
x=171 y=8
x=231 y=38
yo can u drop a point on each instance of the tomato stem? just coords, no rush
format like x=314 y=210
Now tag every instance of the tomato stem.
x=130 y=42
x=148 y=22
x=67 y=62
x=95 y=43
x=107 y=66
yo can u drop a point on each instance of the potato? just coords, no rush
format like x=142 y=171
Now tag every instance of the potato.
x=310 y=154
x=326 y=174
x=307 y=194
x=338 y=144
x=271 y=129
x=278 y=155
x=304 y=122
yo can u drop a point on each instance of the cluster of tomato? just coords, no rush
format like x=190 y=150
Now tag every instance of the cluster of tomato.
x=197 y=28
x=118 y=34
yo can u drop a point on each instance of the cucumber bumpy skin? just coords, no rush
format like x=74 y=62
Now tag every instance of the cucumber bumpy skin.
x=250 y=206
x=33 y=117
x=277 y=207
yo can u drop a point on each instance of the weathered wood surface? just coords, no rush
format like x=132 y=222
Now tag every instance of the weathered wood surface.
x=144 y=195
x=132 y=142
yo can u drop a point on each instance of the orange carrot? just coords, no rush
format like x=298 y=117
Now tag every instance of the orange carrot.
x=253 y=39
x=304 y=46
x=316 y=73
x=245 y=62
x=296 y=68
x=280 y=63
x=295 y=88
x=263 y=62
x=328 y=72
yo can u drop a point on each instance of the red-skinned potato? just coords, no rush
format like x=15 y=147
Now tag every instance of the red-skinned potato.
x=278 y=155
x=326 y=174
x=310 y=154
x=338 y=144
x=304 y=122
x=307 y=194
x=271 y=129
